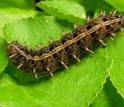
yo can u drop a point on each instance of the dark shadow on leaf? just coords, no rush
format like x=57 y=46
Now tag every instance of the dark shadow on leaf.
x=112 y=96
x=109 y=96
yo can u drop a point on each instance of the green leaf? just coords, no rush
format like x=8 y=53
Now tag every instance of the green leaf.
x=12 y=14
x=117 y=4
x=116 y=52
x=89 y=5
x=77 y=86
x=71 y=11
x=36 y=30
x=105 y=7
x=24 y=4
x=108 y=97
x=3 y=55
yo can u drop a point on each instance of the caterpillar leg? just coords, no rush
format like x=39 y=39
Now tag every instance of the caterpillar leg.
x=35 y=74
x=89 y=50
x=102 y=42
x=51 y=74
x=12 y=56
x=74 y=56
x=74 y=25
x=20 y=65
x=64 y=64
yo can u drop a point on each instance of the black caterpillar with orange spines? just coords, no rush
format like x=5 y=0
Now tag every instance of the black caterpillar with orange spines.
x=70 y=46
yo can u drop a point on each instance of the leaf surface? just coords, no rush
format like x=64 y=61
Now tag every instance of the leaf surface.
x=116 y=52
x=117 y=4
x=3 y=55
x=108 y=97
x=24 y=4
x=11 y=14
x=71 y=11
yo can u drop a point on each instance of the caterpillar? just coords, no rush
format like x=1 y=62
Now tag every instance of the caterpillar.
x=71 y=45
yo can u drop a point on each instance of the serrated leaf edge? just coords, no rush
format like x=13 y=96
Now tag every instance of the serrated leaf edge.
x=115 y=85
x=102 y=85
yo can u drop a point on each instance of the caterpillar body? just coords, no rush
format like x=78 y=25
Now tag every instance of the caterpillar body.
x=70 y=46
